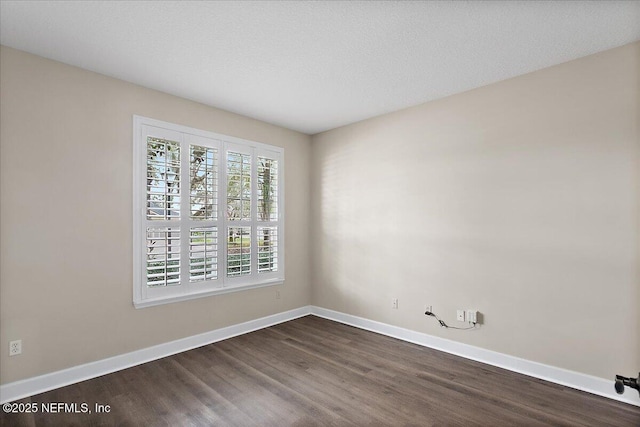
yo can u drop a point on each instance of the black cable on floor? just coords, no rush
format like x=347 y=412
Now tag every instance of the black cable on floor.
x=444 y=325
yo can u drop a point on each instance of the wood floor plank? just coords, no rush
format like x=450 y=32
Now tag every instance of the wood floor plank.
x=315 y=372
x=505 y=385
x=292 y=370
x=408 y=386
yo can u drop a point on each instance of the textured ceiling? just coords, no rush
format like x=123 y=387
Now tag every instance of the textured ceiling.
x=313 y=66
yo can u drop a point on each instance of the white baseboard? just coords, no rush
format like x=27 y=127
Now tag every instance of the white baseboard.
x=31 y=386
x=584 y=382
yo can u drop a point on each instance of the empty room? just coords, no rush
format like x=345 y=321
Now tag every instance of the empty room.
x=313 y=213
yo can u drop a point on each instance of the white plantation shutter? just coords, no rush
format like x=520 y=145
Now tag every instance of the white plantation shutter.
x=268 y=218
x=267 y=214
x=238 y=186
x=163 y=256
x=202 y=208
x=207 y=213
x=203 y=182
x=239 y=251
x=163 y=179
x=267 y=249
x=267 y=189
x=203 y=253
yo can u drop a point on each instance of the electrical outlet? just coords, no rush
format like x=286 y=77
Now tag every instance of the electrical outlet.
x=428 y=308
x=394 y=303
x=277 y=294
x=15 y=347
x=472 y=316
x=460 y=315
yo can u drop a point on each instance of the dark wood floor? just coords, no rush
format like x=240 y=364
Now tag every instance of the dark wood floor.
x=312 y=371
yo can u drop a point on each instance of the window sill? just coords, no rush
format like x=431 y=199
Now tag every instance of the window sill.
x=217 y=291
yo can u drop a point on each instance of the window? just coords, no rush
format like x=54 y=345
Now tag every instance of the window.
x=208 y=213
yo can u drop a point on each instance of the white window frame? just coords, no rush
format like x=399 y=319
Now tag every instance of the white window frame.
x=145 y=296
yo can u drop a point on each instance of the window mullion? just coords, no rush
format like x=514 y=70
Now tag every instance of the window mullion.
x=184 y=212
x=222 y=214
x=254 y=213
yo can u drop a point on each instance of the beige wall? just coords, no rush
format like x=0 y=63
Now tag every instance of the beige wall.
x=519 y=199
x=66 y=219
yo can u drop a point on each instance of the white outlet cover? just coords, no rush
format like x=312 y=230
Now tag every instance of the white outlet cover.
x=460 y=315
x=15 y=347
